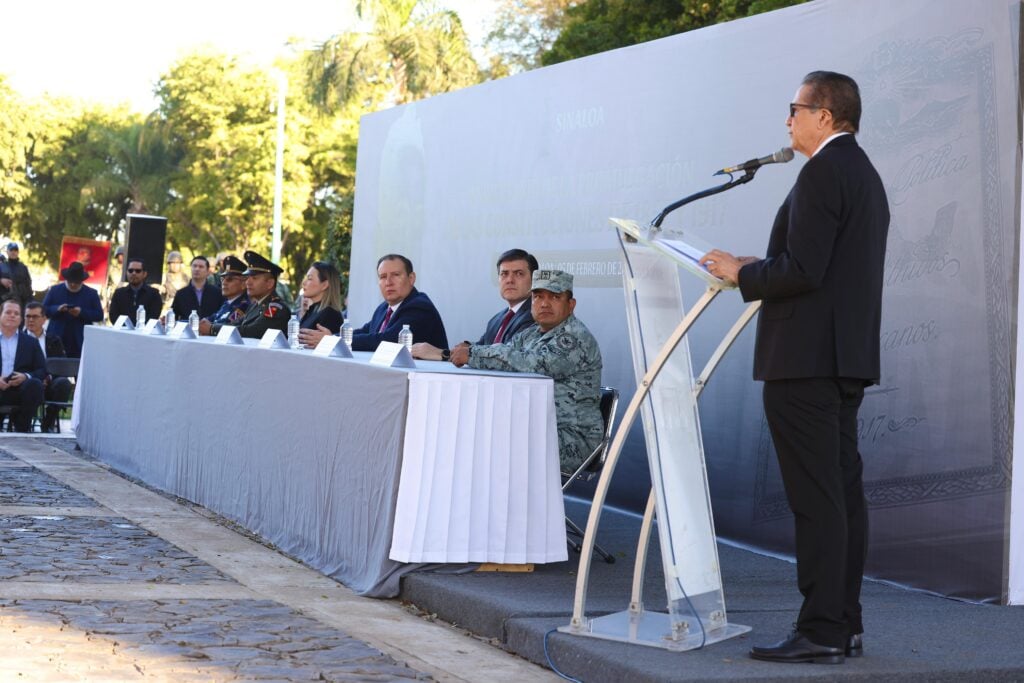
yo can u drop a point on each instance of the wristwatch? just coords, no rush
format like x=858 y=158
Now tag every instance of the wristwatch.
x=446 y=354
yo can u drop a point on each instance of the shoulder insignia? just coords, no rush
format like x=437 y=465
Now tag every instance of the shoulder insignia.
x=566 y=341
x=272 y=309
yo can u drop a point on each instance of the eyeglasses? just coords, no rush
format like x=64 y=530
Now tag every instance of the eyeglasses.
x=793 y=106
x=135 y=270
x=32 y=316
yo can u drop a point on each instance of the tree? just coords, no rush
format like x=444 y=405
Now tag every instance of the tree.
x=219 y=114
x=523 y=30
x=15 y=146
x=410 y=51
x=595 y=26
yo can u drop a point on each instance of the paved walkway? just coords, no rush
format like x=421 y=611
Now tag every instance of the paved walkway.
x=104 y=580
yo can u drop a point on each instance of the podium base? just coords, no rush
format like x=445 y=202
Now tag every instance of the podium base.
x=653 y=629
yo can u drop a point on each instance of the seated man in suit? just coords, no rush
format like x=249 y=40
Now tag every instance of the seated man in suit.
x=267 y=311
x=54 y=388
x=22 y=368
x=126 y=301
x=232 y=288
x=198 y=295
x=561 y=347
x=403 y=305
x=515 y=276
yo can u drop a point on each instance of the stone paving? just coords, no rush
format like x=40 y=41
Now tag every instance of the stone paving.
x=177 y=638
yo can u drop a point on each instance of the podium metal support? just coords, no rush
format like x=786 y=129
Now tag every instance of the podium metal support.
x=693 y=620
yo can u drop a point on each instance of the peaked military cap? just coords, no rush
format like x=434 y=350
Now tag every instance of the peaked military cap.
x=554 y=281
x=232 y=265
x=259 y=264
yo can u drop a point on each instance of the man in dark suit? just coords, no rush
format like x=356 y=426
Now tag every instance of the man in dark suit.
x=70 y=306
x=515 y=278
x=126 y=301
x=200 y=295
x=22 y=368
x=55 y=388
x=403 y=305
x=817 y=348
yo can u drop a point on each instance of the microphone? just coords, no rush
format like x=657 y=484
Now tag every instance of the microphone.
x=782 y=156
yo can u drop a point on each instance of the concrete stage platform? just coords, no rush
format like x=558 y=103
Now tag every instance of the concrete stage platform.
x=909 y=635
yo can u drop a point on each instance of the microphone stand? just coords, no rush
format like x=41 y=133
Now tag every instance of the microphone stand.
x=745 y=178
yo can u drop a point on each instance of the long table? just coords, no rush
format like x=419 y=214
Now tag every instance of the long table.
x=359 y=470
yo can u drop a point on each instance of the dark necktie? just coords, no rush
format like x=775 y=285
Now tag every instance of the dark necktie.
x=504 y=326
x=387 y=318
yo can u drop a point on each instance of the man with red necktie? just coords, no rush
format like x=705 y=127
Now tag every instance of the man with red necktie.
x=515 y=277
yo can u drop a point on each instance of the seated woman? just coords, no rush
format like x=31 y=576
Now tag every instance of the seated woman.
x=321 y=291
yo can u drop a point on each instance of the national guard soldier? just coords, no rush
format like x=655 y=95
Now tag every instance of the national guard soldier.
x=266 y=311
x=236 y=300
x=561 y=347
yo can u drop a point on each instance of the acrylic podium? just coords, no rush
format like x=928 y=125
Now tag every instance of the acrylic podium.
x=666 y=396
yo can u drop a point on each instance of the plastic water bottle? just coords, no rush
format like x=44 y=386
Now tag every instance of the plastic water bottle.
x=140 y=317
x=193 y=322
x=405 y=337
x=293 y=331
x=169 y=320
x=346 y=334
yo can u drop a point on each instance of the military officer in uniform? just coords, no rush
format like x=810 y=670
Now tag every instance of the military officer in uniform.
x=267 y=311
x=236 y=300
x=561 y=347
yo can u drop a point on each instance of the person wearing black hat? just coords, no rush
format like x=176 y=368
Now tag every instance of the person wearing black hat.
x=70 y=306
x=232 y=288
x=199 y=294
x=267 y=311
x=16 y=277
x=127 y=300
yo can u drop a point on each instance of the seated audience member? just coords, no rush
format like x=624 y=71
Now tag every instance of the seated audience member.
x=267 y=311
x=126 y=301
x=54 y=388
x=22 y=368
x=321 y=290
x=174 y=278
x=403 y=305
x=515 y=273
x=232 y=288
x=561 y=347
x=70 y=306
x=198 y=295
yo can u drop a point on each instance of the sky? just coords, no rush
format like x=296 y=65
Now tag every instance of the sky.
x=113 y=51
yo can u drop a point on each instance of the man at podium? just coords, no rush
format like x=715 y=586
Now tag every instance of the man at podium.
x=817 y=347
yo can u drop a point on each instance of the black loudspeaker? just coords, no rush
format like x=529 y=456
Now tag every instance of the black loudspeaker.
x=145 y=238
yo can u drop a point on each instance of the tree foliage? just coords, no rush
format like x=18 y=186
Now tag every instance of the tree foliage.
x=522 y=31
x=594 y=26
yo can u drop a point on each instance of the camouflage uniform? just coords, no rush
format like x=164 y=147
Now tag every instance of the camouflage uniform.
x=569 y=354
x=271 y=313
x=231 y=312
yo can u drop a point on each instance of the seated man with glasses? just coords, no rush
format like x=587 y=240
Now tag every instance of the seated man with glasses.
x=126 y=301
x=54 y=388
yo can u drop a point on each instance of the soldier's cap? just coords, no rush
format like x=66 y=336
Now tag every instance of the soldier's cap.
x=13 y=245
x=259 y=264
x=554 y=281
x=118 y=252
x=174 y=257
x=232 y=265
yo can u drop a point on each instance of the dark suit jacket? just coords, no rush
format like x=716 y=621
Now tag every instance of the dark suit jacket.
x=125 y=301
x=185 y=301
x=821 y=281
x=520 y=321
x=417 y=311
x=29 y=357
x=54 y=346
x=328 y=317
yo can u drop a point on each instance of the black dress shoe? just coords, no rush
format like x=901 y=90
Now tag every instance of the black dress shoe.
x=797 y=648
x=855 y=645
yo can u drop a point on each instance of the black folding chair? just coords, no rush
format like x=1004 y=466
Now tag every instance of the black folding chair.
x=591 y=467
x=60 y=367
